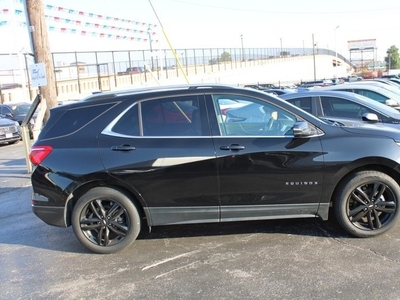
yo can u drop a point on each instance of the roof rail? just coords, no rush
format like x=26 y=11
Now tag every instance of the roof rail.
x=99 y=94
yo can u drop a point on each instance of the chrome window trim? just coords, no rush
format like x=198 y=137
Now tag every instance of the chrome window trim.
x=107 y=130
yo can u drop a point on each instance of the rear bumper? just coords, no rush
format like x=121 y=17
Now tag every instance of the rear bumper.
x=52 y=215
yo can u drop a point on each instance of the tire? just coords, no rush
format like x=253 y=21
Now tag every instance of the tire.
x=105 y=220
x=358 y=209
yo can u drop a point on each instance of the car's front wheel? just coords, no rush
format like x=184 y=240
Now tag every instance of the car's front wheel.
x=367 y=204
x=105 y=220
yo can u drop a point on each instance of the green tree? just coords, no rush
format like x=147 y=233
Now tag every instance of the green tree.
x=213 y=61
x=225 y=56
x=392 y=59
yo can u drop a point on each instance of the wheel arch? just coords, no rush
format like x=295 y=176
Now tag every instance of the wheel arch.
x=133 y=195
x=383 y=165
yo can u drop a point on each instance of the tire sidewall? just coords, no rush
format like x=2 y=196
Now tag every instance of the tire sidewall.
x=340 y=202
x=117 y=196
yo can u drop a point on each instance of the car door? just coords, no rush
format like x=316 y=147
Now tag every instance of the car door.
x=162 y=149
x=263 y=171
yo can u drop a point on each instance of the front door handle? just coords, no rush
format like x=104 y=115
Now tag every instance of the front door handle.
x=232 y=147
x=123 y=148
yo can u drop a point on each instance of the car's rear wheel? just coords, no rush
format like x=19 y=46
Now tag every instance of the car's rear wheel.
x=105 y=220
x=367 y=204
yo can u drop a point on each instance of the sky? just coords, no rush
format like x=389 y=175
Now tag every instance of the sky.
x=206 y=24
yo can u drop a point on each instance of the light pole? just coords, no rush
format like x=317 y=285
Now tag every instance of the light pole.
x=151 y=48
x=241 y=40
x=336 y=61
x=165 y=64
x=313 y=52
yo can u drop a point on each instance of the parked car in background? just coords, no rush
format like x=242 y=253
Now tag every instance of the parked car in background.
x=383 y=83
x=387 y=81
x=132 y=70
x=122 y=165
x=262 y=86
x=254 y=86
x=316 y=83
x=372 y=91
x=269 y=86
x=225 y=104
x=395 y=80
x=10 y=131
x=391 y=76
x=338 y=80
x=17 y=112
x=280 y=91
x=354 y=78
x=301 y=89
x=346 y=108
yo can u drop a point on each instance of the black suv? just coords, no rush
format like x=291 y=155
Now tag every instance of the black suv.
x=116 y=162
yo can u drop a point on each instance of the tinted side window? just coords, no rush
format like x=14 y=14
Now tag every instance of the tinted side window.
x=73 y=119
x=372 y=95
x=245 y=116
x=303 y=103
x=178 y=116
x=338 y=107
x=128 y=124
x=5 y=110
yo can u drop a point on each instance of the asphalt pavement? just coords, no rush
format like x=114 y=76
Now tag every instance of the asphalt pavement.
x=282 y=259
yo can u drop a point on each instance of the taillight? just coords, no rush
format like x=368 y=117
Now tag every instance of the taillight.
x=39 y=153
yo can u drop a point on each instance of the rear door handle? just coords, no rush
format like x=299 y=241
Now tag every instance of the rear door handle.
x=123 y=148
x=232 y=147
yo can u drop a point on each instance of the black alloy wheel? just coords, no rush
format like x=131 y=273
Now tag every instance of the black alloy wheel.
x=368 y=204
x=105 y=220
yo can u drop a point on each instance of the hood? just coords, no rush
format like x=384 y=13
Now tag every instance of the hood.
x=6 y=122
x=371 y=129
x=362 y=127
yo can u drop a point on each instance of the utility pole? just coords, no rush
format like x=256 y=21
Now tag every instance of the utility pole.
x=40 y=45
x=313 y=53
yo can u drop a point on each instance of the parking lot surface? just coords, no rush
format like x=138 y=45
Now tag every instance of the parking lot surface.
x=284 y=259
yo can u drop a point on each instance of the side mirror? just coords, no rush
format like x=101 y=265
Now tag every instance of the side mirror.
x=370 y=117
x=391 y=103
x=9 y=115
x=303 y=129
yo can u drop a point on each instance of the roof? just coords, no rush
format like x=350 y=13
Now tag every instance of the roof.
x=110 y=94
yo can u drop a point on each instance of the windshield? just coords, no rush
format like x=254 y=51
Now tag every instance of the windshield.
x=391 y=88
x=21 y=108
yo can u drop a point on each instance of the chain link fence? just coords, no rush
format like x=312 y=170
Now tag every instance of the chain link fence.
x=115 y=69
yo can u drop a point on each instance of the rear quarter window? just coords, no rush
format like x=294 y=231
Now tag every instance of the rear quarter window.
x=64 y=122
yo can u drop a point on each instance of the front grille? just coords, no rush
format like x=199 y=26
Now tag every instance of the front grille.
x=8 y=129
